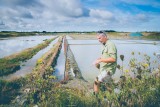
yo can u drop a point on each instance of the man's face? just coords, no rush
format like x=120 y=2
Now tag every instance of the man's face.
x=101 y=39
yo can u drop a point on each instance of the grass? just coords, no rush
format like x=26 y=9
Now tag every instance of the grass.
x=153 y=35
x=9 y=90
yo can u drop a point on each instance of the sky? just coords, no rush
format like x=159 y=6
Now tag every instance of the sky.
x=80 y=15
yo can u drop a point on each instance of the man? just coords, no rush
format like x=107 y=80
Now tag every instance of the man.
x=107 y=62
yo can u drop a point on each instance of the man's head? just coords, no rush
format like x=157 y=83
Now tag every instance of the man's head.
x=102 y=37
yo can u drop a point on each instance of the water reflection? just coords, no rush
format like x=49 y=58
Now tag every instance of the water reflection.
x=60 y=67
x=12 y=45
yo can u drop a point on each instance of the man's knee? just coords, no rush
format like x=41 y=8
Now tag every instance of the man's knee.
x=97 y=83
x=96 y=79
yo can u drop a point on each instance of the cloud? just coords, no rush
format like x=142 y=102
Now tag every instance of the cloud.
x=143 y=17
x=23 y=3
x=63 y=15
x=65 y=8
x=1 y=23
x=24 y=15
x=102 y=14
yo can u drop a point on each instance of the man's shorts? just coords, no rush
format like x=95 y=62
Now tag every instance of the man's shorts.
x=105 y=77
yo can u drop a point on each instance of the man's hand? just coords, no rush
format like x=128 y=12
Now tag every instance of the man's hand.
x=97 y=66
x=97 y=63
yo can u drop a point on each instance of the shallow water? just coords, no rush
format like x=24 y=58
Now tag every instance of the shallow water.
x=12 y=45
x=87 y=51
x=26 y=67
x=60 y=67
x=68 y=37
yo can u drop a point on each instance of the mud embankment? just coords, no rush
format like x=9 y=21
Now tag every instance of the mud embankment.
x=73 y=77
x=45 y=63
x=71 y=67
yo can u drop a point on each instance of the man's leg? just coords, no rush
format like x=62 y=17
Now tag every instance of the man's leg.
x=105 y=77
x=108 y=81
x=96 y=86
x=99 y=80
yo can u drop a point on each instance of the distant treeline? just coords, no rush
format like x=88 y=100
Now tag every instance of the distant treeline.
x=57 y=31
x=146 y=34
x=15 y=33
x=83 y=31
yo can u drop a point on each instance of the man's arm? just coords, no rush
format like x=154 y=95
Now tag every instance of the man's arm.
x=105 y=60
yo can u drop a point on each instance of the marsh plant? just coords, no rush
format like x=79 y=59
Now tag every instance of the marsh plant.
x=139 y=86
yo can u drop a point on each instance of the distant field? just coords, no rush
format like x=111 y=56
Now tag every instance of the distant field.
x=85 y=35
x=16 y=34
x=116 y=35
x=152 y=35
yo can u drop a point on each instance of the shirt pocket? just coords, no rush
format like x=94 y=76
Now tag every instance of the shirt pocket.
x=106 y=50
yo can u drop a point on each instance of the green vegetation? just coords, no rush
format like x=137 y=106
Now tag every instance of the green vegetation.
x=152 y=35
x=142 y=89
x=12 y=63
x=17 y=34
x=43 y=66
x=9 y=90
x=52 y=94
